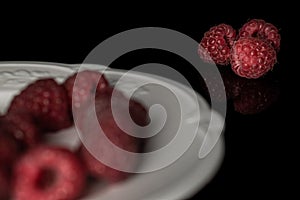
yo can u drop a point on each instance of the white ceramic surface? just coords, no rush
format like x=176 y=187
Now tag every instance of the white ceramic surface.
x=180 y=180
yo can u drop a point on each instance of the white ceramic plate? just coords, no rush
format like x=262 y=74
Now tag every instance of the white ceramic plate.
x=180 y=180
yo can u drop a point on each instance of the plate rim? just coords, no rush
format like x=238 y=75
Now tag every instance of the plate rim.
x=220 y=146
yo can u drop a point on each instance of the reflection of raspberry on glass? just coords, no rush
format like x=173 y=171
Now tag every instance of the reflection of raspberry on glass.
x=256 y=96
x=249 y=96
x=232 y=85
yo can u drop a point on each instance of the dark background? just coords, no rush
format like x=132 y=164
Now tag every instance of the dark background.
x=257 y=146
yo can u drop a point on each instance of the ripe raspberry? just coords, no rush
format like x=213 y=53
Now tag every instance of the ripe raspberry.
x=47 y=102
x=23 y=128
x=9 y=147
x=256 y=96
x=260 y=29
x=48 y=173
x=252 y=57
x=116 y=136
x=86 y=84
x=4 y=184
x=100 y=170
x=216 y=44
x=137 y=111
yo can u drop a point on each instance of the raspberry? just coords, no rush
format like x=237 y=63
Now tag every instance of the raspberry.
x=23 y=128
x=47 y=102
x=115 y=135
x=4 y=184
x=48 y=173
x=252 y=57
x=100 y=170
x=256 y=96
x=137 y=111
x=86 y=84
x=9 y=147
x=216 y=44
x=262 y=30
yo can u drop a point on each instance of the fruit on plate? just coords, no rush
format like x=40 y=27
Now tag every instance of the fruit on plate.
x=22 y=126
x=47 y=102
x=83 y=85
x=9 y=147
x=117 y=137
x=4 y=184
x=215 y=46
x=40 y=171
x=137 y=111
x=48 y=173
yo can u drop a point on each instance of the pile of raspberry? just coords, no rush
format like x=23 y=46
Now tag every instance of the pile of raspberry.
x=32 y=169
x=251 y=53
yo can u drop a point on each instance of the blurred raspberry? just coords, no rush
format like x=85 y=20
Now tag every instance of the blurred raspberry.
x=46 y=102
x=48 y=173
x=23 y=128
x=256 y=96
x=115 y=135
x=87 y=83
x=4 y=184
x=9 y=146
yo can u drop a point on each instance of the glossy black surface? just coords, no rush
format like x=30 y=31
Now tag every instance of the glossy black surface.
x=256 y=161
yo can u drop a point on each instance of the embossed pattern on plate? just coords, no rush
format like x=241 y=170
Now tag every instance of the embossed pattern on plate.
x=178 y=181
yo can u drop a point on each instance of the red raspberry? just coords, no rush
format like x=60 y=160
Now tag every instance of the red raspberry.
x=100 y=170
x=47 y=102
x=116 y=136
x=23 y=128
x=9 y=147
x=86 y=85
x=216 y=44
x=4 y=184
x=256 y=96
x=48 y=173
x=137 y=111
x=262 y=30
x=252 y=57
